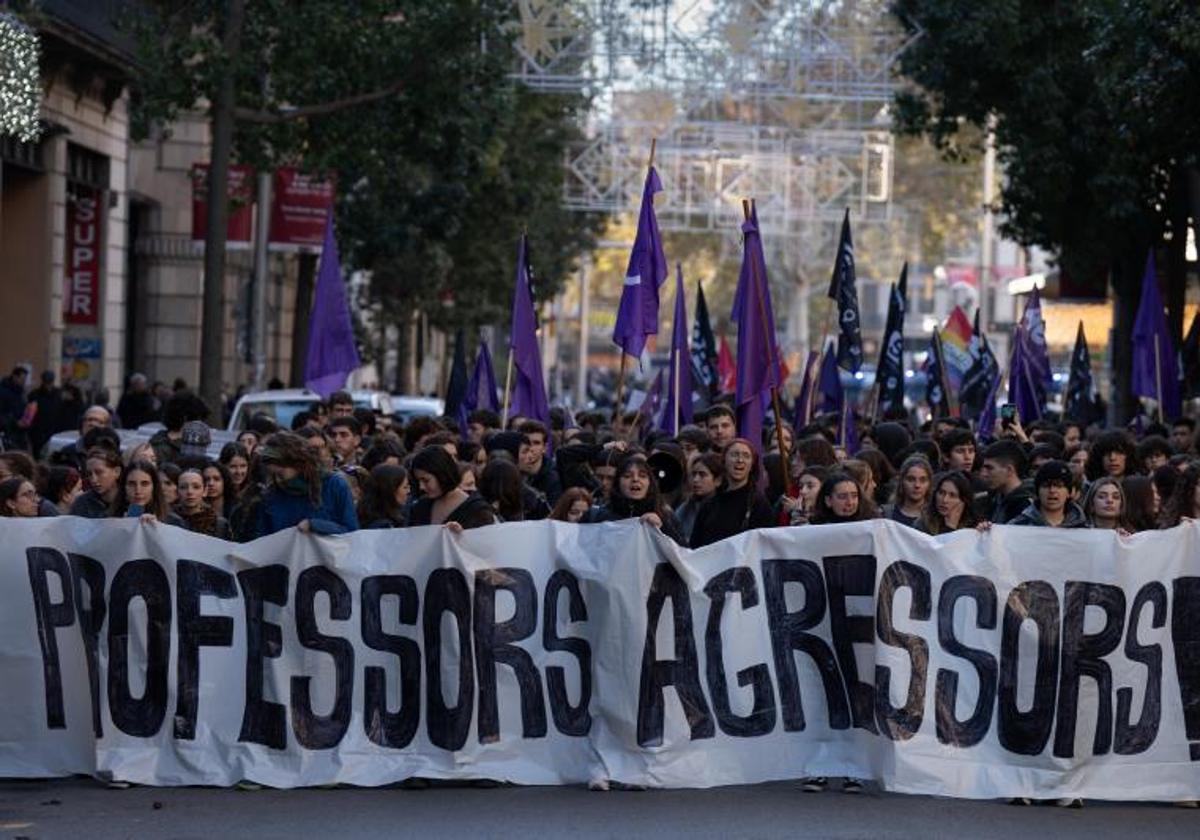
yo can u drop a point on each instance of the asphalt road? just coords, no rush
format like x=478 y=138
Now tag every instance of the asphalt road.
x=81 y=808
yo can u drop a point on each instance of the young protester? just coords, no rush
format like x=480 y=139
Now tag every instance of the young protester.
x=1076 y=457
x=958 y=450
x=139 y=494
x=861 y=472
x=18 y=497
x=17 y=464
x=442 y=502
x=950 y=506
x=249 y=441
x=1184 y=504
x=216 y=488
x=501 y=484
x=573 y=505
x=912 y=493
x=721 y=425
x=1001 y=473
x=738 y=506
x=301 y=492
x=1183 y=435
x=386 y=505
x=61 y=486
x=534 y=463
x=168 y=479
x=635 y=496
x=841 y=499
x=194 y=509
x=345 y=435
x=103 y=470
x=704 y=477
x=1053 y=507
x=236 y=461
x=1104 y=504
x=883 y=474
x=1151 y=453
x=1112 y=453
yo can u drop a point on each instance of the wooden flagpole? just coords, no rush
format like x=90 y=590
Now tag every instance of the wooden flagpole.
x=1158 y=378
x=507 y=386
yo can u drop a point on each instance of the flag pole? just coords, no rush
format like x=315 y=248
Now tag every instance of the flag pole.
x=1158 y=377
x=772 y=361
x=507 y=386
x=951 y=403
x=675 y=419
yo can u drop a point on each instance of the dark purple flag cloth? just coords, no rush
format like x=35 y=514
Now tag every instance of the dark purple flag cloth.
x=1155 y=364
x=829 y=386
x=528 y=388
x=802 y=413
x=889 y=373
x=637 y=314
x=481 y=388
x=757 y=357
x=843 y=288
x=1022 y=379
x=681 y=365
x=332 y=353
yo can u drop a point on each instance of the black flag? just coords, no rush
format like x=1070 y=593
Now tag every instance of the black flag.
x=890 y=372
x=979 y=380
x=704 y=348
x=935 y=383
x=843 y=288
x=456 y=386
x=1189 y=361
x=1080 y=402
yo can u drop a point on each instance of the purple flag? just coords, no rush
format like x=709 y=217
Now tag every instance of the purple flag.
x=528 y=389
x=1037 y=355
x=829 y=386
x=651 y=404
x=637 y=315
x=986 y=424
x=332 y=353
x=681 y=364
x=1022 y=383
x=1155 y=364
x=757 y=357
x=481 y=388
x=847 y=433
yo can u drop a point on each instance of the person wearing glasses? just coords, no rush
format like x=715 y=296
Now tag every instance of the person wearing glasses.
x=739 y=505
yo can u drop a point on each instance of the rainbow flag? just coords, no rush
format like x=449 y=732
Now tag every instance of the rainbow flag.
x=956 y=345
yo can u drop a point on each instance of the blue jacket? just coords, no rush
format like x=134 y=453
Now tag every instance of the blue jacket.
x=283 y=508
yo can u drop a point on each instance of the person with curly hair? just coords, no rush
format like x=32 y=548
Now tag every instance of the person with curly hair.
x=1184 y=504
x=300 y=491
x=1112 y=453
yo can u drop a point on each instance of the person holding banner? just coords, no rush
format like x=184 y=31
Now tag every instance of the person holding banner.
x=912 y=494
x=198 y=515
x=739 y=505
x=139 y=494
x=1104 y=506
x=704 y=477
x=842 y=500
x=442 y=502
x=300 y=491
x=103 y=469
x=635 y=495
x=1053 y=506
x=949 y=507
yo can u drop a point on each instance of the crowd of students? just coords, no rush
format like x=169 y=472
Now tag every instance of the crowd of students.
x=338 y=469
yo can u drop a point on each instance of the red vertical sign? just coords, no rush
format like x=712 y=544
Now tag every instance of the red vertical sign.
x=81 y=292
x=241 y=204
x=300 y=208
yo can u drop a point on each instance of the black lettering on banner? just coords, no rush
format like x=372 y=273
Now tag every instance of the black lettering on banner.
x=901 y=724
x=568 y=719
x=263 y=721
x=314 y=731
x=142 y=716
x=446 y=590
x=951 y=730
x=847 y=575
x=1132 y=738
x=1026 y=733
x=194 y=580
x=495 y=642
x=391 y=729
x=1185 y=638
x=789 y=634
x=91 y=609
x=51 y=615
x=761 y=719
x=683 y=672
x=1083 y=656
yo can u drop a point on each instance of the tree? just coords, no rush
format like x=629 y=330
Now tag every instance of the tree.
x=408 y=101
x=1082 y=95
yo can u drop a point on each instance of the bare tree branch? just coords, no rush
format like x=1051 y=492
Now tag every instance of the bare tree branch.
x=303 y=112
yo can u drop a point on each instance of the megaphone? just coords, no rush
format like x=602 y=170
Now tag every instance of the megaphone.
x=667 y=472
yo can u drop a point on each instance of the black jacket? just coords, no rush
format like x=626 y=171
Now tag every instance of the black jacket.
x=670 y=525
x=731 y=512
x=90 y=505
x=474 y=512
x=546 y=482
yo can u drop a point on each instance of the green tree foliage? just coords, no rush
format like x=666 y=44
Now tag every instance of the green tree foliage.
x=1088 y=99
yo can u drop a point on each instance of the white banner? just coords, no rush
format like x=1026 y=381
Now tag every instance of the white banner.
x=1025 y=662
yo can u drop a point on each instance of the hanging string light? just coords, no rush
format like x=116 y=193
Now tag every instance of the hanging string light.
x=20 y=91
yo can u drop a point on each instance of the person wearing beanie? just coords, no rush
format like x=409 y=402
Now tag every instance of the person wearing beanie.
x=1052 y=506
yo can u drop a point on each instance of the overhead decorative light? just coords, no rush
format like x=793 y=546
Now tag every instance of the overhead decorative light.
x=20 y=88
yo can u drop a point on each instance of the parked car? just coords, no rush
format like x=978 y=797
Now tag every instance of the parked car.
x=142 y=434
x=283 y=405
x=406 y=406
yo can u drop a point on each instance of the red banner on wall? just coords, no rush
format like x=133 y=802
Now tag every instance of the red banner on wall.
x=300 y=208
x=81 y=292
x=240 y=227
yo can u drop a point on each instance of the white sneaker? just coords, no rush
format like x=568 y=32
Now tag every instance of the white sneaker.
x=1069 y=802
x=598 y=784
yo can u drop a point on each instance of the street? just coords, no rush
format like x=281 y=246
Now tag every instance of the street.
x=84 y=808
